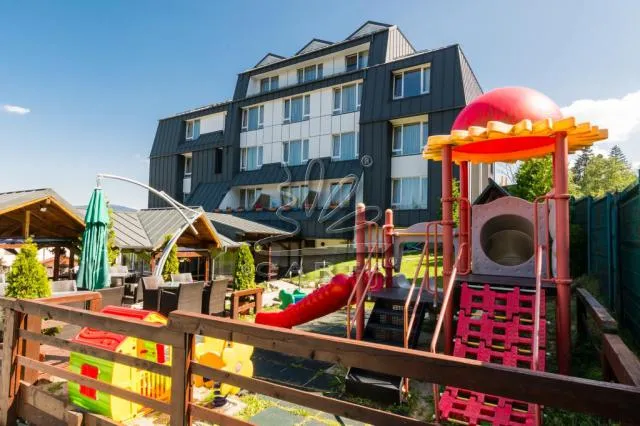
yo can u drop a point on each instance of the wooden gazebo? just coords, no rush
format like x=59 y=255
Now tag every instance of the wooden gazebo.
x=44 y=216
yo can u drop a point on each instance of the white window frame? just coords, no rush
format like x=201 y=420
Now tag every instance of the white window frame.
x=191 y=124
x=286 y=148
x=188 y=158
x=340 y=185
x=245 y=118
x=244 y=157
x=424 y=69
x=286 y=117
x=424 y=180
x=269 y=81
x=358 y=56
x=319 y=73
x=257 y=192
x=424 y=125
x=339 y=136
x=337 y=91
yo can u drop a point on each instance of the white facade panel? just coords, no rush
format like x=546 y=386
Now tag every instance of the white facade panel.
x=276 y=152
x=251 y=138
x=277 y=133
x=326 y=99
x=267 y=135
x=325 y=124
x=335 y=124
x=325 y=145
x=294 y=131
x=314 y=126
x=314 y=147
x=347 y=122
x=243 y=139
x=408 y=166
x=212 y=123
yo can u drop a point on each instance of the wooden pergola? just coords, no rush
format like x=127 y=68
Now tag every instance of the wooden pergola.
x=45 y=217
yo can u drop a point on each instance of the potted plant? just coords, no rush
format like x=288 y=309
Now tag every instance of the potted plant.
x=239 y=209
x=257 y=207
x=228 y=209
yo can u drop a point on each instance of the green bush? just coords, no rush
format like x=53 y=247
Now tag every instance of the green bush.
x=172 y=265
x=244 y=274
x=28 y=277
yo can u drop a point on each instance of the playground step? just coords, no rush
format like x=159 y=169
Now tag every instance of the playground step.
x=385 y=326
x=374 y=386
x=494 y=326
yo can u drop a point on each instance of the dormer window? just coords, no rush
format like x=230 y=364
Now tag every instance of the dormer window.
x=411 y=82
x=269 y=84
x=357 y=61
x=310 y=73
x=192 y=130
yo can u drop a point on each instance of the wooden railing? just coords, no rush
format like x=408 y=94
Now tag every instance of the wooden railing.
x=611 y=400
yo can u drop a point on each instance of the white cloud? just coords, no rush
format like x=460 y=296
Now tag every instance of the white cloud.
x=621 y=116
x=14 y=109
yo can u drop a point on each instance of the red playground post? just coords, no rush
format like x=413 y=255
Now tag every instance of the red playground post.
x=388 y=247
x=464 y=214
x=447 y=242
x=361 y=253
x=563 y=278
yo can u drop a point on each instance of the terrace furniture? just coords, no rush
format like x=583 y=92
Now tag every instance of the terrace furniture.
x=187 y=297
x=112 y=296
x=182 y=278
x=245 y=300
x=150 y=292
x=214 y=297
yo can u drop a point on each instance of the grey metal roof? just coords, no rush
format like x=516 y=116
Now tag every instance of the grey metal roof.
x=269 y=58
x=314 y=44
x=234 y=226
x=201 y=109
x=276 y=173
x=208 y=195
x=130 y=233
x=160 y=222
x=16 y=198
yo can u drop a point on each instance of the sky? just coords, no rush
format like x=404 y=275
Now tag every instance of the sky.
x=83 y=83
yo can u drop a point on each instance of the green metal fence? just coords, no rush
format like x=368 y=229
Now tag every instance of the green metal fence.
x=606 y=245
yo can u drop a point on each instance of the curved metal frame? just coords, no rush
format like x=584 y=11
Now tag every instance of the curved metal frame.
x=173 y=203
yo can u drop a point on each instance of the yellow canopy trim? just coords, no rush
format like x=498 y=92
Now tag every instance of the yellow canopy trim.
x=579 y=136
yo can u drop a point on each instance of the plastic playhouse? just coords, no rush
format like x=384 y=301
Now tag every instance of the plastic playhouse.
x=143 y=382
x=500 y=263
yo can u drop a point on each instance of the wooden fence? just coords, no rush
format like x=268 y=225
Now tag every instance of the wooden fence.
x=611 y=400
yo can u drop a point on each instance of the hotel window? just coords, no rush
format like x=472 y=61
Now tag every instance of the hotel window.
x=248 y=197
x=193 y=129
x=251 y=158
x=294 y=195
x=295 y=153
x=347 y=98
x=269 y=83
x=340 y=193
x=410 y=139
x=310 y=73
x=188 y=165
x=218 y=161
x=344 y=146
x=409 y=193
x=253 y=118
x=413 y=82
x=297 y=109
x=357 y=61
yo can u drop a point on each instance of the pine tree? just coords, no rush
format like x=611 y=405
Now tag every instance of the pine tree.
x=617 y=154
x=604 y=175
x=581 y=163
x=172 y=265
x=28 y=277
x=244 y=274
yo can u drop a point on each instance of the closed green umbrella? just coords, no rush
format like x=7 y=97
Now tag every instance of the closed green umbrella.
x=94 y=262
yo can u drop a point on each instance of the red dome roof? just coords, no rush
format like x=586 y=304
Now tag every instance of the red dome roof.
x=509 y=105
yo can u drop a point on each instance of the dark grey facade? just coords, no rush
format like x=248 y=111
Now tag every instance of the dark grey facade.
x=216 y=155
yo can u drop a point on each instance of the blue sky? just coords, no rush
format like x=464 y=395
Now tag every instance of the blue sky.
x=96 y=76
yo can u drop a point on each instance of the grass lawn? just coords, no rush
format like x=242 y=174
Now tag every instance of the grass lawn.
x=408 y=268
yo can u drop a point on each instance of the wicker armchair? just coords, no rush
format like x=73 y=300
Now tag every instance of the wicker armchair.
x=112 y=296
x=214 y=297
x=150 y=292
x=188 y=297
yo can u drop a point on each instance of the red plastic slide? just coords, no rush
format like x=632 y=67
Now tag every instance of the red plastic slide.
x=323 y=301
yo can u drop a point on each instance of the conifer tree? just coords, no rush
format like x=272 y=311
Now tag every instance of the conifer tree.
x=28 y=277
x=245 y=273
x=172 y=265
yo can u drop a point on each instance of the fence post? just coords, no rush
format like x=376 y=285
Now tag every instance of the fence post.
x=181 y=381
x=615 y=246
x=588 y=232
x=9 y=377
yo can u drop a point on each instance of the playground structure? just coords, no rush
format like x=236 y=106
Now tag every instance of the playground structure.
x=503 y=257
x=140 y=381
